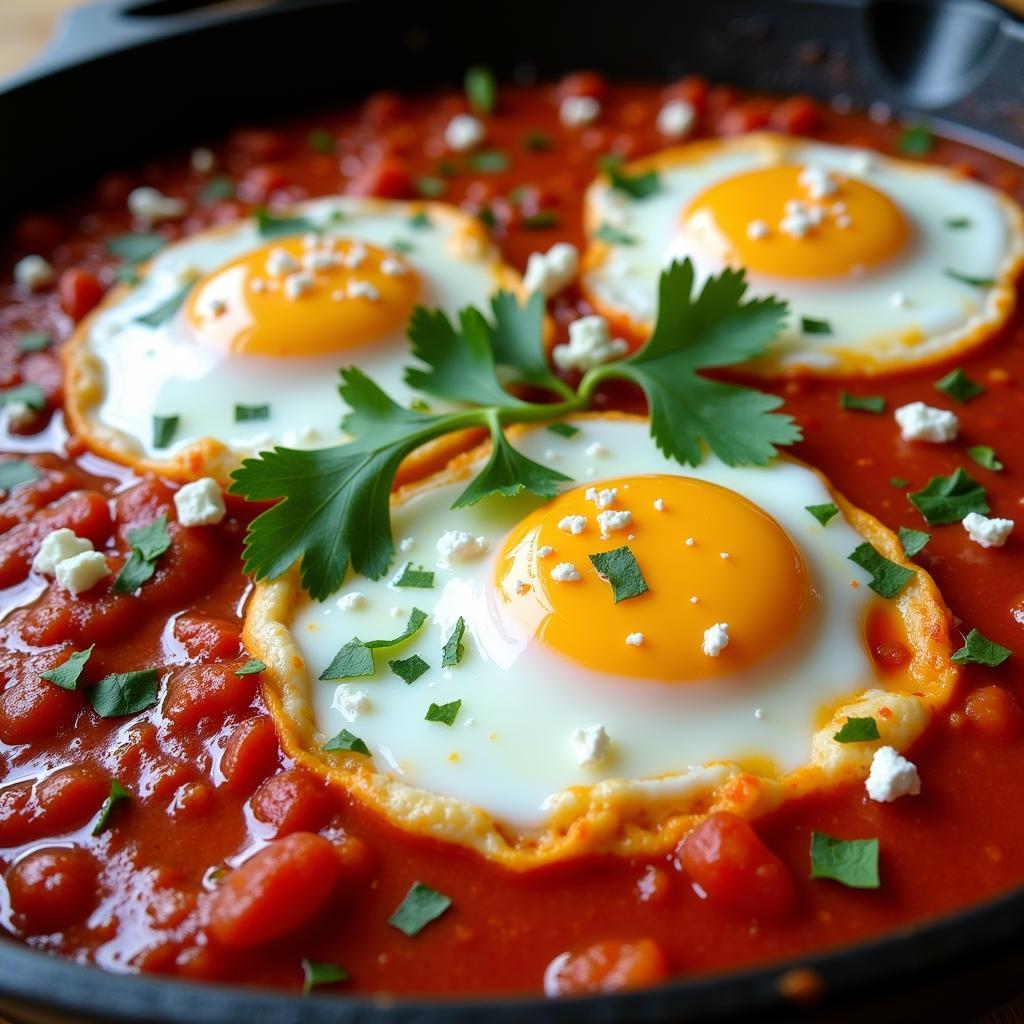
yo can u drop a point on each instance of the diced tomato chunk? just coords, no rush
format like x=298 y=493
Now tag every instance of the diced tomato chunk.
x=260 y=144
x=97 y=616
x=32 y=709
x=141 y=504
x=207 y=639
x=693 y=89
x=584 y=83
x=198 y=692
x=748 y=116
x=25 y=501
x=995 y=713
x=79 y=292
x=796 y=115
x=261 y=180
x=292 y=801
x=250 y=755
x=53 y=888
x=62 y=802
x=733 y=866
x=387 y=179
x=607 y=967
x=275 y=891
x=382 y=107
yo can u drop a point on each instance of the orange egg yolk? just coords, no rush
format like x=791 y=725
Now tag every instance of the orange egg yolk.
x=707 y=555
x=792 y=221
x=304 y=297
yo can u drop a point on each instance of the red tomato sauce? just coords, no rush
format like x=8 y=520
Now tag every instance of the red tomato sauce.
x=228 y=862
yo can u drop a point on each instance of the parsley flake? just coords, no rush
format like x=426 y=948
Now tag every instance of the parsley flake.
x=823 y=513
x=619 y=567
x=959 y=386
x=67 y=674
x=247 y=413
x=613 y=236
x=443 y=713
x=161 y=313
x=916 y=140
x=409 y=669
x=809 y=326
x=430 y=187
x=852 y=862
x=957 y=223
x=355 y=659
x=887 y=578
x=253 y=667
x=348 y=742
x=638 y=186
x=898 y=482
x=118 y=795
x=272 y=225
x=453 y=650
x=563 y=429
x=216 y=189
x=862 y=403
x=29 y=394
x=14 y=472
x=947 y=499
x=315 y=973
x=34 y=341
x=488 y=161
x=858 y=730
x=321 y=141
x=985 y=457
x=979 y=650
x=541 y=220
x=420 y=906
x=125 y=693
x=420 y=221
x=481 y=90
x=136 y=246
x=913 y=541
x=974 y=282
x=410 y=576
x=148 y=544
x=537 y=142
x=164 y=429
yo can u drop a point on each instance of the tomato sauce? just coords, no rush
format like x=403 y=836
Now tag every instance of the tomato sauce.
x=228 y=862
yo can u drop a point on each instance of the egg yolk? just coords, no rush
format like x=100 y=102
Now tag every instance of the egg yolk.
x=793 y=221
x=303 y=297
x=708 y=556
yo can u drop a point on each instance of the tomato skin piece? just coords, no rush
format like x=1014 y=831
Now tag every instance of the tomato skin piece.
x=584 y=83
x=796 y=115
x=734 y=867
x=292 y=801
x=79 y=292
x=275 y=891
x=607 y=966
x=52 y=888
x=386 y=179
x=60 y=803
x=995 y=714
x=250 y=755
x=196 y=693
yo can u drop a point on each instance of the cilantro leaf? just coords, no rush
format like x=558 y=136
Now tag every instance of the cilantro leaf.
x=916 y=140
x=898 y=482
x=811 y=326
x=17 y=471
x=974 y=282
x=118 y=795
x=34 y=341
x=443 y=713
x=613 y=236
x=453 y=650
x=862 y=403
x=541 y=220
x=985 y=457
x=430 y=187
x=136 y=246
x=420 y=906
x=125 y=693
x=163 y=312
x=887 y=578
x=714 y=329
x=410 y=576
x=537 y=142
x=148 y=544
x=409 y=669
x=637 y=186
x=355 y=659
x=563 y=429
x=271 y=225
x=619 y=567
x=823 y=513
x=247 y=413
x=913 y=541
x=67 y=674
x=858 y=730
x=852 y=862
x=508 y=472
x=488 y=161
x=164 y=429
x=348 y=742
x=517 y=340
x=314 y=974
x=31 y=394
x=957 y=223
x=959 y=386
x=947 y=499
x=979 y=650
x=252 y=667
x=481 y=90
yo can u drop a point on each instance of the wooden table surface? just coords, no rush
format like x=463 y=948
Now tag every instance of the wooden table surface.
x=25 y=27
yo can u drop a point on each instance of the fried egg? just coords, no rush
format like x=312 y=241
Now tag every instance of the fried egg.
x=588 y=723
x=885 y=263
x=232 y=341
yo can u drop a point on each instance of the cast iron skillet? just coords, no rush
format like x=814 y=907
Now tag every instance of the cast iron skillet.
x=127 y=80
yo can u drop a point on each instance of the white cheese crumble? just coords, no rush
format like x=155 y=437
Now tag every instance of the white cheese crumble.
x=297 y=285
x=716 y=639
x=464 y=132
x=407 y=543
x=459 y=546
x=635 y=639
x=818 y=181
x=891 y=776
x=676 y=119
x=202 y=160
x=603 y=498
x=593 y=451
x=659 y=504
x=280 y=262
x=578 y=111
x=546 y=551
x=611 y=520
x=565 y=572
x=33 y=272
x=355 y=257
x=363 y=290
x=392 y=267
x=352 y=601
x=589 y=745
x=57 y=546
x=898 y=300
x=573 y=524
x=920 y=422
x=590 y=344
x=985 y=532
x=549 y=272
x=757 y=229
x=152 y=206
x=81 y=572
x=351 y=703
x=800 y=219
x=200 y=503
x=861 y=162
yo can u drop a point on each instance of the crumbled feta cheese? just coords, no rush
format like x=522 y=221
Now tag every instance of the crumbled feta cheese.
x=578 y=111
x=351 y=703
x=611 y=520
x=723 y=554
x=318 y=260
x=716 y=639
x=800 y=219
x=920 y=422
x=987 y=533
x=258 y=285
x=19 y=414
x=758 y=229
x=396 y=612
x=590 y=344
x=297 y=285
x=595 y=450
x=392 y=267
x=407 y=543
x=635 y=639
x=603 y=498
x=459 y=546
x=861 y=162
x=891 y=776
x=57 y=546
x=898 y=300
x=589 y=745
x=363 y=290
x=203 y=161
x=659 y=504
x=694 y=599
x=550 y=455
x=82 y=571
x=758 y=712
x=546 y=551
x=34 y=273
x=818 y=181
x=676 y=118
x=152 y=206
x=200 y=503
x=690 y=542
x=464 y=132
x=573 y=524
x=565 y=572
x=843 y=221
x=549 y=272
x=280 y=262
x=352 y=601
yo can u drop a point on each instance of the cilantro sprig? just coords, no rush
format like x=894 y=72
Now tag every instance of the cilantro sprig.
x=335 y=508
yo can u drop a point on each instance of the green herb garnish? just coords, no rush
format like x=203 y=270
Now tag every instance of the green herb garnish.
x=272 y=225
x=957 y=223
x=453 y=650
x=14 y=472
x=979 y=650
x=246 y=413
x=118 y=795
x=913 y=541
x=420 y=906
x=975 y=282
x=809 y=326
x=613 y=235
x=160 y=314
x=411 y=576
x=823 y=513
x=216 y=189
x=321 y=141
x=348 y=742
x=541 y=220
x=135 y=247
x=985 y=457
x=481 y=90
x=916 y=140
x=619 y=567
x=420 y=221
x=125 y=693
x=28 y=394
x=852 y=862
x=537 y=142
x=253 y=667
x=947 y=499
x=887 y=578
x=430 y=187
x=639 y=186
x=164 y=429
x=315 y=974
x=898 y=481
x=409 y=669
x=488 y=161
x=355 y=659
x=148 y=544
x=862 y=403
x=66 y=675
x=959 y=386
x=858 y=730
x=34 y=341
x=563 y=429
x=443 y=713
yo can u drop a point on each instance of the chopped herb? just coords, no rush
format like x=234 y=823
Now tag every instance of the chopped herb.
x=542 y=219
x=17 y=471
x=431 y=188
x=355 y=659
x=537 y=142
x=979 y=650
x=639 y=186
x=410 y=576
x=913 y=541
x=66 y=675
x=957 y=223
x=486 y=217
x=216 y=189
x=852 y=862
x=481 y=90
x=135 y=247
x=446 y=168
x=125 y=693
x=862 y=403
x=321 y=141
x=409 y=669
x=620 y=569
x=488 y=161
x=252 y=667
x=402 y=245
x=420 y=906
x=809 y=326
x=613 y=236
x=270 y=225
x=823 y=513
x=985 y=457
x=34 y=341
x=164 y=429
x=118 y=795
x=443 y=713
x=160 y=314
x=29 y=394
x=127 y=275
x=148 y=544
x=245 y=413
x=974 y=282
x=453 y=650
x=916 y=140
x=418 y=405
x=420 y=221
x=348 y=742
x=959 y=386
x=898 y=481
x=858 y=730
x=947 y=499
x=314 y=974
x=887 y=578
x=563 y=429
